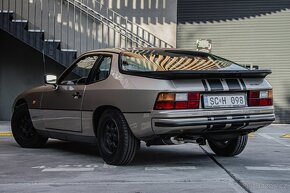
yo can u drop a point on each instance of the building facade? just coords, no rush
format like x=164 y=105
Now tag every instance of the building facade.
x=253 y=32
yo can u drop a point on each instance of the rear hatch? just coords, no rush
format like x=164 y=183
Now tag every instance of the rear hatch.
x=183 y=64
x=211 y=81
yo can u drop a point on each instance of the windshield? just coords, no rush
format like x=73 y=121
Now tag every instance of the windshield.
x=174 y=60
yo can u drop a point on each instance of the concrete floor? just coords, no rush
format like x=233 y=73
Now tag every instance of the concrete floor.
x=263 y=167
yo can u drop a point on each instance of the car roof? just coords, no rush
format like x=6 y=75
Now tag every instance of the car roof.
x=121 y=50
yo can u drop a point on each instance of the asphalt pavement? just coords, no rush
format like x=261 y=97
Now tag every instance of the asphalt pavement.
x=61 y=166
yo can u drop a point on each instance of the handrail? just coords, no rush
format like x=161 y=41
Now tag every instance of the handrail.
x=114 y=26
x=138 y=26
x=128 y=34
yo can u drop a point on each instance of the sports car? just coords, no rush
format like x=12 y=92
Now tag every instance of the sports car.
x=116 y=98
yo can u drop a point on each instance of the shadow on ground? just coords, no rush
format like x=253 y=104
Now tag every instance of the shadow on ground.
x=155 y=155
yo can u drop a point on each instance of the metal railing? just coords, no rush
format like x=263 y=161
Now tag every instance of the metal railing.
x=130 y=28
x=81 y=25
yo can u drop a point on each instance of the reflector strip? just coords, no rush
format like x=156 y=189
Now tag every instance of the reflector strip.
x=285 y=136
x=251 y=135
x=5 y=133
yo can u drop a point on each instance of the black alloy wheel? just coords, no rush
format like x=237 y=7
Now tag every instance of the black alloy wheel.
x=111 y=136
x=230 y=147
x=117 y=144
x=23 y=131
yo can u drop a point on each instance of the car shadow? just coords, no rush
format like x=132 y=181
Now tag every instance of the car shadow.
x=170 y=156
x=73 y=147
x=145 y=156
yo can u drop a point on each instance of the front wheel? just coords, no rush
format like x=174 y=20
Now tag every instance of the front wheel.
x=23 y=131
x=117 y=144
x=230 y=147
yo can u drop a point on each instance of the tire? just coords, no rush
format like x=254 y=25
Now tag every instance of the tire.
x=117 y=144
x=23 y=131
x=229 y=148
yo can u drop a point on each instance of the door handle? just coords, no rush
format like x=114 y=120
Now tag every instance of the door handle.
x=77 y=95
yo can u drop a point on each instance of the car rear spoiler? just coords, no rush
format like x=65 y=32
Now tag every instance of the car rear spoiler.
x=201 y=74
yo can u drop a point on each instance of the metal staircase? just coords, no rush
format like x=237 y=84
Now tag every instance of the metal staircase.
x=63 y=29
x=35 y=38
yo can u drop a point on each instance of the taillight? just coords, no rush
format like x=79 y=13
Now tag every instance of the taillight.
x=168 y=101
x=260 y=98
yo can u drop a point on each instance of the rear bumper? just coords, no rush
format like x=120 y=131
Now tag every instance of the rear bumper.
x=197 y=122
x=207 y=121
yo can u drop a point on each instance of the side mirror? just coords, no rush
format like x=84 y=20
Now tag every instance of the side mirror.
x=50 y=79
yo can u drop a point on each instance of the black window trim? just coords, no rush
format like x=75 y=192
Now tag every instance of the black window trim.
x=185 y=74
x=68 y=70
x=93 y=71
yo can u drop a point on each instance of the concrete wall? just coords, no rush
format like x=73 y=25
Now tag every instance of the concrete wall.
x=21 y=68
x=248 y=32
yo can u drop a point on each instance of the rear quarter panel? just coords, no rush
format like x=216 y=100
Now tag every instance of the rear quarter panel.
x=127 y=93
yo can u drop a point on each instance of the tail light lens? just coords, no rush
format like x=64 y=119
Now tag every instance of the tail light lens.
x=260 y=98
x=164 y=105
x=168 y=101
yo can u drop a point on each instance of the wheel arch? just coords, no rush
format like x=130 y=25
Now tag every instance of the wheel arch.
x=19 y=102
x=97 y=114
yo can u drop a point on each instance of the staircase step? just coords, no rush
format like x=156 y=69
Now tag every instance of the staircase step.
x=19 y=20
x=5 y=18
x=39 y=34
x=5 y=11
x=67 y=57
x=50 y=47
x=35 y=38
x=50 y=40
x=69 y=50
x=35 y=30
x=16 y=28
x=21 y=23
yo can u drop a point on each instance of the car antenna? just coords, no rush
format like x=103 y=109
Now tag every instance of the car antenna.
x=43 y=60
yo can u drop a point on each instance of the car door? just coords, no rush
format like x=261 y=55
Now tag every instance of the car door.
x=61 y=104
x=94 y=93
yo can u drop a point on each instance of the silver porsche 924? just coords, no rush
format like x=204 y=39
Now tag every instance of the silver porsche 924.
x=119 y=97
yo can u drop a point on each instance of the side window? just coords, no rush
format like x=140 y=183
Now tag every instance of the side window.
x=79 y=74
x=103 y=70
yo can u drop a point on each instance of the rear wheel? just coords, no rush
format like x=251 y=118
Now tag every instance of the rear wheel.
x=116 y=142
x=229 y=147
x=23 y=131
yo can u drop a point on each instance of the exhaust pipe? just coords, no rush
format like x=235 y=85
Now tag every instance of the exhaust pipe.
x=176 y=141
x=198 y=140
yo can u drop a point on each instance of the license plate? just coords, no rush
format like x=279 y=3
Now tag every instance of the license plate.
x=222 y=100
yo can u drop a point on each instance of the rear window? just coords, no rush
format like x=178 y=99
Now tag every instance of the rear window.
x=174 y=60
